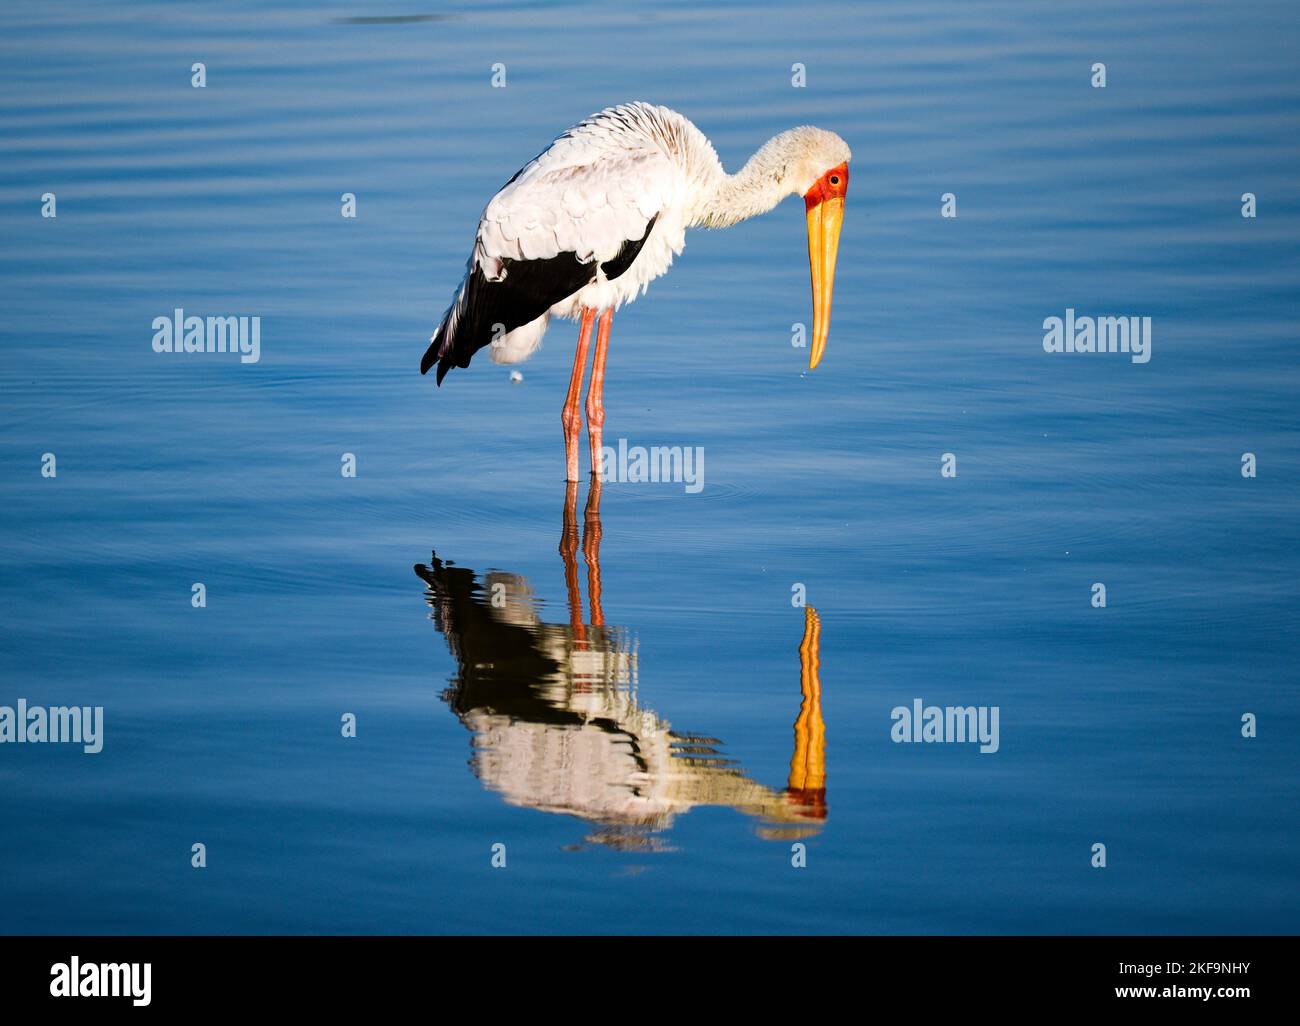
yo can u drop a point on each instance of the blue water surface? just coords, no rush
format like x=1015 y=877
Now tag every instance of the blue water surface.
x=530 y=725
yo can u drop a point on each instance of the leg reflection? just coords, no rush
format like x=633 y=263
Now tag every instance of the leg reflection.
x=569 y=553
x=591 y=534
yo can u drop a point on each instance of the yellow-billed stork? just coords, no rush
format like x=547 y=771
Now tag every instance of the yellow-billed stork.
x=588 y=223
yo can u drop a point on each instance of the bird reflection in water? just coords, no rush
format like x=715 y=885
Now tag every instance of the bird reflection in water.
x=557 y=724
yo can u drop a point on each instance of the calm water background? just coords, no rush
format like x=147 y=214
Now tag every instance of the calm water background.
x=1118 y=725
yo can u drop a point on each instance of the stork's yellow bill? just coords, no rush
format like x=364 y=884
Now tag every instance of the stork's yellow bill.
x=825 y=205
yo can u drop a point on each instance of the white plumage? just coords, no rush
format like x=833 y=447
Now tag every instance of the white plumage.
x=588 y=193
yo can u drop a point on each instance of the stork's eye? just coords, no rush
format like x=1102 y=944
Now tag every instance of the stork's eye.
x=835 y=179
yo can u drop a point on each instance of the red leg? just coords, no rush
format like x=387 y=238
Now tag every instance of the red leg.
x=571 y=418
x=596 y=390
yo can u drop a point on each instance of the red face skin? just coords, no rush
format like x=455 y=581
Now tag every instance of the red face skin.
x=824 y=188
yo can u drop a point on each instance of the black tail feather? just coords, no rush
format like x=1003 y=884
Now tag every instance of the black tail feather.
x=430 y=355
